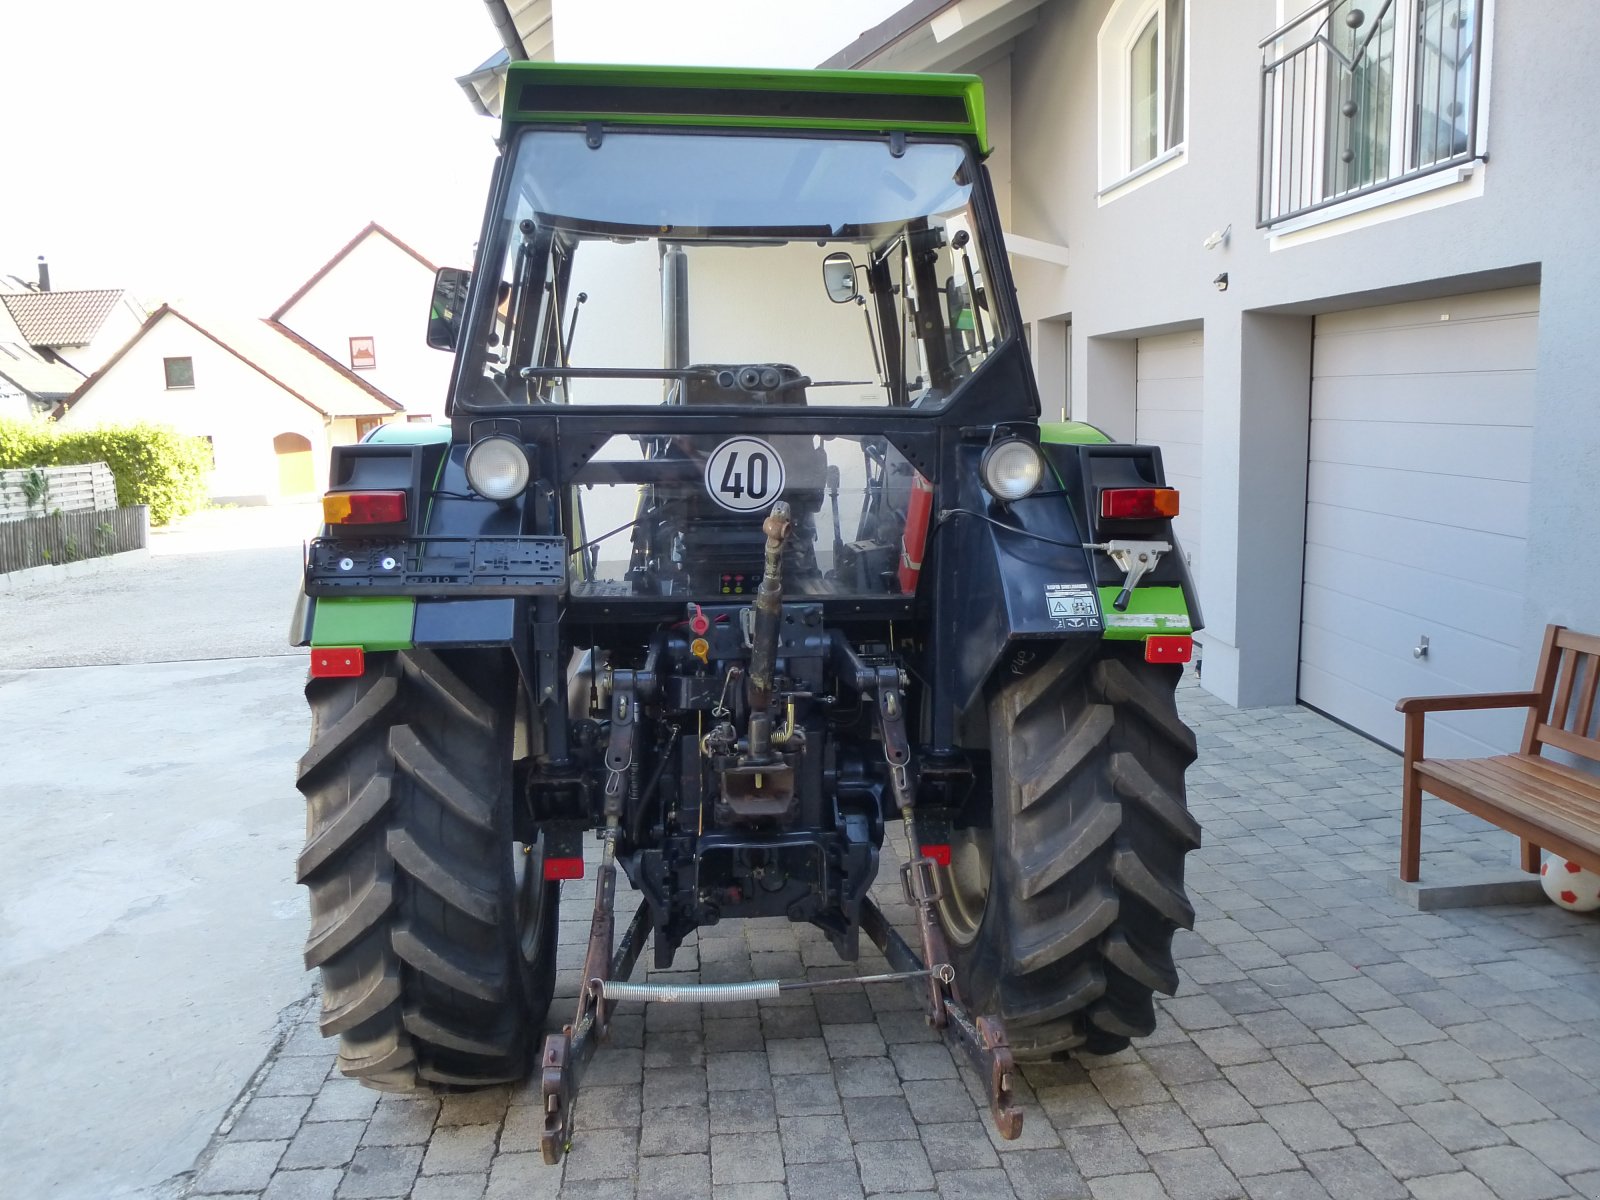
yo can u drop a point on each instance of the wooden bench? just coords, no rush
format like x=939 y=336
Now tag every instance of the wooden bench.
x=1545 y=803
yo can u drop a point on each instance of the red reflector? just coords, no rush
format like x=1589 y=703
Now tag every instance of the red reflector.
x=939 y=854
x=1138 y=504
x=364 y=508
x=1169 y=648
x=563 y=868
x=337 y=662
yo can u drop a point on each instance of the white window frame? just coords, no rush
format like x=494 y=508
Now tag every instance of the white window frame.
x=1114 y=46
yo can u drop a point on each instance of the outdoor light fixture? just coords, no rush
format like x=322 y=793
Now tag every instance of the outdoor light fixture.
x=497 y=468
x=1221 y=282
x=1217 y=238
x=1012 y=469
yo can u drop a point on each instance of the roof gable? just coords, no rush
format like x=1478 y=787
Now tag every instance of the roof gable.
x=371 y=227
x=60 y=318
x=296 y=366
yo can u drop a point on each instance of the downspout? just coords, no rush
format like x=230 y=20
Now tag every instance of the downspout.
x=507 y=29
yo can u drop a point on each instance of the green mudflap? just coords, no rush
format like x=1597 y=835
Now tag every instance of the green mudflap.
x=1150 y=610
x=371 y=622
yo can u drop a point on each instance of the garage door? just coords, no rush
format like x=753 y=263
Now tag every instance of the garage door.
x=1167 y=414
x=1417 y=511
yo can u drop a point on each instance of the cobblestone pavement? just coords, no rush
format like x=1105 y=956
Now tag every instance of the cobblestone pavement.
x=1326 y=1041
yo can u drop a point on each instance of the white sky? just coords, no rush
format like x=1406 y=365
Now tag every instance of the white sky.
x=224 y=151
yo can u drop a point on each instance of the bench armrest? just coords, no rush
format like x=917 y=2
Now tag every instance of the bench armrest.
x=1422 y=704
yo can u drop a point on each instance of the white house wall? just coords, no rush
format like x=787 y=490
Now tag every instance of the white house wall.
x=236 y=406
x=378 y=291
x=1139 y=267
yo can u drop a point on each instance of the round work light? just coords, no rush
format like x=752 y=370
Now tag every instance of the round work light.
x=1012 y=469
x=497 y=468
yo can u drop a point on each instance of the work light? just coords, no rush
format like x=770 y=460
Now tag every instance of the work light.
x=497 y=468
x=1012 y=469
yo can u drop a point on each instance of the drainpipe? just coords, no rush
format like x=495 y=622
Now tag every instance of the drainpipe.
x=507 y=29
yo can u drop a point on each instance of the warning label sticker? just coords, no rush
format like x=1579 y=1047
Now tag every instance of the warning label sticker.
x=1072 y=606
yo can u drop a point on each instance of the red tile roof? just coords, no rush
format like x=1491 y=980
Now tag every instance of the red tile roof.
x=60 y=318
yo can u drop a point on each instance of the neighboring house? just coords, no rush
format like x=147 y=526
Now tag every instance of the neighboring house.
x=30 y=386
x=1366 y=350
x=270 y=403
x=367 y=308
x=80 y=329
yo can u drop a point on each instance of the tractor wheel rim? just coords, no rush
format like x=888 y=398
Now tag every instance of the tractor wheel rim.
x=966 y=885
x=527 y=871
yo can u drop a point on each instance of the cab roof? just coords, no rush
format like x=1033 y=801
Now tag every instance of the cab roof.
x=741 y=98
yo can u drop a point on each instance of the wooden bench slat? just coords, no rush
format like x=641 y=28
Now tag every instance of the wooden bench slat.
x=1572 y=816
x=1570 y=742
x=1583 y=643
x=1494 y=776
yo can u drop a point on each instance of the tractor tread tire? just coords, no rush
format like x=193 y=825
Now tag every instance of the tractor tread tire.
x=1090 y=833
x=414 y=911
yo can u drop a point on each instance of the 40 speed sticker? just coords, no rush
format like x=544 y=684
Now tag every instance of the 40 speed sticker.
x=744 y=474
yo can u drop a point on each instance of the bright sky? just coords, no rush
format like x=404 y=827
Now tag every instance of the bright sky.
x=223 y=151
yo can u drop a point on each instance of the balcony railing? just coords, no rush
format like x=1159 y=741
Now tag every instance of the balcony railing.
x=1362 y=95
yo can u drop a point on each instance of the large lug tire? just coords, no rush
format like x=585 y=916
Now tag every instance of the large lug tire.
x=434 y=931
x=1061 y=917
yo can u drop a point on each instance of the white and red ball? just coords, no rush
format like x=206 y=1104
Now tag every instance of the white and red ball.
x=1569 y=885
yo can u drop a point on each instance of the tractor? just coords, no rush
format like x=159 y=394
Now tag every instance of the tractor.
x=744 y=551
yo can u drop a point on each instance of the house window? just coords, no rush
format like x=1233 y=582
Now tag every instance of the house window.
x=363 y=354
x=1355 y=101
x=365 y=425
x=1143 y=52
x=179 y=371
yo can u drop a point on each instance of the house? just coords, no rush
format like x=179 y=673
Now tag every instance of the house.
x=270 y=403
x=367 y=308
x=79 y=329
x=1279 y=247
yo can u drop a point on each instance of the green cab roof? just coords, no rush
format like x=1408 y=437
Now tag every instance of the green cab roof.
x=734 y=97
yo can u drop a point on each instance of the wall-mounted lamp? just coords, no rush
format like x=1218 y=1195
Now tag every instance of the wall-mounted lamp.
x=1218 y=238
x=1221 y=282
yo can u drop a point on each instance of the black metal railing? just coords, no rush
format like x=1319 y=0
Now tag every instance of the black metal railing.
x=1362 y=95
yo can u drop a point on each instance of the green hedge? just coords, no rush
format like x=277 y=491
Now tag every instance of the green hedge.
x=152 y=464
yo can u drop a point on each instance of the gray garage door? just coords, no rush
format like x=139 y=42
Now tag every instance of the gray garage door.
x=1167 y=414
x=1416 y=512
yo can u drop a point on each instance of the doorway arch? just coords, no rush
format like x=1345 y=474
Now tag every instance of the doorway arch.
x=296 y=472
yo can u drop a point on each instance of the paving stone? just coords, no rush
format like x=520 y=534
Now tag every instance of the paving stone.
x=316 y=1184
x=450 y=1187
x=1144 y=1186
x=1307 y=1125
x=240 y=1167
x=1455 y=1125
x=880 y=1119
x=923 y=1060
x=323 y=1144
x=674 y=1177
x=461 y=1149
x=1557 y=1145
x=674 y=1087
x=979 y=1184
x=484 y=1107
x=601 y=1154
x=1156 y=1127
x=1352 y=1173
x=934 y=1100
x=294 y=1077
x=270 y=1118
x=381 y=1171
x=1313 y=1064
x=857 y=1040
x=823 y=1181
x=1404 y=1082
x=1254 y=1149
x=798 y=1056
x=523 y=1176
x=1360 y=1044
x=1129 y=1084
x=1458 y=1186
x=746 y=1158
x=1407 y=1150
x=1180 y=1063
x=1195 y=1175
x=742 y=1112
x=1103 y=1150
x=1266 y=1083
x=1076 y=1105
x=1214 y=1102
x=805 y=1095
x=814 y=1139
x=1501 y=1102
x=957 y=1145
x=401 y=1121
x=1285 y=1185
x=867 y=1077
x=1043 y=1175
x=686 y=1131
x=893 y=1167
x=1511 y=1173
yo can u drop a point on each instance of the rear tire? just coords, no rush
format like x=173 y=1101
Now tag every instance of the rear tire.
x=1061 y=917
x=434 y=931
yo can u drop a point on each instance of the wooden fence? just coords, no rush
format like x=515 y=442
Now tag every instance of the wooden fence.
x=36 y=491
x=69 y=536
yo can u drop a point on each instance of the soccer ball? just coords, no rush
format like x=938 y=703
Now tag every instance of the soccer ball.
x=1569 y=885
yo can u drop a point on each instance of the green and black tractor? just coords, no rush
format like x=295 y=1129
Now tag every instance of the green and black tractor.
x=745 y=543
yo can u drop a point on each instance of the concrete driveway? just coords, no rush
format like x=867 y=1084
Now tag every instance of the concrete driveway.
x=150 y=927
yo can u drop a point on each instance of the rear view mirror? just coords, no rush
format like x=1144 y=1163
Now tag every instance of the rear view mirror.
x=449 y=305
x=839 y=277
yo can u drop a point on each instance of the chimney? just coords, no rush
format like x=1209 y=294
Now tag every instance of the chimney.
x=44 y=274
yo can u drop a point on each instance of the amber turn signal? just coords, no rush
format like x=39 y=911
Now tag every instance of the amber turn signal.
x=364 y=508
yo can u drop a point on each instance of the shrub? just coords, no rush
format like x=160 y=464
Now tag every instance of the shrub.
x=151 y=464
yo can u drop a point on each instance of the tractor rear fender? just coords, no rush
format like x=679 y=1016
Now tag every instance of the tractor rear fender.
x=1016 y=573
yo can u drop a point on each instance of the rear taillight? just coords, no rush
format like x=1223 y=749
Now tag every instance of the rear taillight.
x=1138 y=504
x=364 y=508
x=338 y=662
x=1168 y=648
